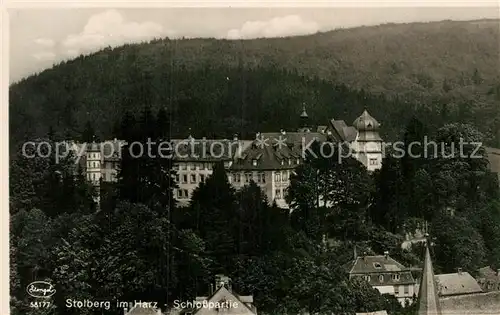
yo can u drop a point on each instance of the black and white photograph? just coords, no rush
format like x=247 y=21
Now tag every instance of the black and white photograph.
x=273 y=159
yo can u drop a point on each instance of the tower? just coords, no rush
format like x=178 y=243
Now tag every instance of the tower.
x=93 y=158
x=367 y=148
x=304 y=120
x=428 y=300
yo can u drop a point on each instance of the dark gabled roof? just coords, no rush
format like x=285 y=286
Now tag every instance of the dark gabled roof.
x=275 y=151
x=293 y=137
x=342 y=132
x=368 y=264
x=457 y=284
x=381 y=270
x=268 y=157
x=208 y=150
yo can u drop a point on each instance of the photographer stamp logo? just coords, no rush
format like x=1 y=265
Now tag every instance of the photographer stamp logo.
x=40 y=289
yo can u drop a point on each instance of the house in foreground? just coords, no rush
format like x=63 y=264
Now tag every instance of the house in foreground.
x=386 y=275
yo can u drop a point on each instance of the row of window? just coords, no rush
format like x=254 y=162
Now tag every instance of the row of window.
x=289 y=162
x=257 y=177
x=193 y=166
x=191 y=179
x=394 y=277
x=282 y=176
x=182 y=194
x=279 y=193
x=406 y=289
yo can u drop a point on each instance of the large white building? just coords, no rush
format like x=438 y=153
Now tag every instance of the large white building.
x=268 y=160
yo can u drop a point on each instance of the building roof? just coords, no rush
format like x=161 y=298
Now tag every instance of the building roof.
x=243 y=306
x=137 y=310
x=366 y=122
x=275 y=151
x=381 y=270
x=207 y=150
x=494 y=159
x=428 y=301
x=457 y=284
x=472 y=304
x=341 y=132
x=488 y=272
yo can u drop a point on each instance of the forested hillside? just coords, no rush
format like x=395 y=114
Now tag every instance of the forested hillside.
x=445 y=71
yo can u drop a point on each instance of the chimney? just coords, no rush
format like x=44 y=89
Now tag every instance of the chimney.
x=386 y=254
x=235 y=137
x=459 y=271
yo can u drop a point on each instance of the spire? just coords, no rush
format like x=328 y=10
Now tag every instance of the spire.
x=428 y=300
x=304 y=119
x=304 y=113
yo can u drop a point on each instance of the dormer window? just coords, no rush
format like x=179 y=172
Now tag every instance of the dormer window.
x=395 y=277
x=381 y=278
x=254 y=162
x=289 y=162
x=282 y=162
x=377 y=265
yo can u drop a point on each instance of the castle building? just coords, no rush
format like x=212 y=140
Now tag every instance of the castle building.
x=269 y=160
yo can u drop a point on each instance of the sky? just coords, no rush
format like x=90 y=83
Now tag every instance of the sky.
x=41 y=37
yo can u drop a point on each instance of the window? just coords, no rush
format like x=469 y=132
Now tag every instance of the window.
x=289 y=162
x=184 y=179
x=298 y=161
x=282 y=162
x=179 y=193
x=176 y=178
x=407 y=289
x=254 y=162
x=278 y=193
x=396 y=290
x=395 y=277
x=367 y=278
x=248 y=177
x=261 y=178
x=277 y=177
x=237 y=177
x=377 y=265
x=381 y=278
x=193 y=178
x=209 y=166
x=202 y=178
x=183 y=166
x=373 y=162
